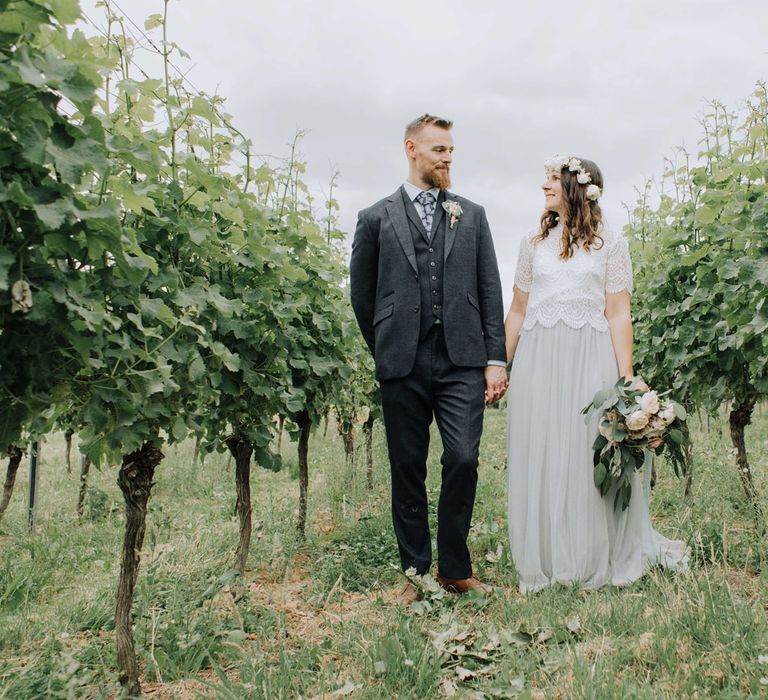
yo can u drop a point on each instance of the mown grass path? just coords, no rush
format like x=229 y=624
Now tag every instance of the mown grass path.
x=317 y=620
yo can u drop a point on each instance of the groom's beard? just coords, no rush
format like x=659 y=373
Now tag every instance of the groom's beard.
x=438 y=177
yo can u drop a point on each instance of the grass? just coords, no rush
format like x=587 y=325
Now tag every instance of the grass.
x=317 y=619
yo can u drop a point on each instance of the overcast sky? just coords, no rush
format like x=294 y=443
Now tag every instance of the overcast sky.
x=621 y=83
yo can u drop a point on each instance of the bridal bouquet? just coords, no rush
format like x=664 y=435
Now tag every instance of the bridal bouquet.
x=633 y=425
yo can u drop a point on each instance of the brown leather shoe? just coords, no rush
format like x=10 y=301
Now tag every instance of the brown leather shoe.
x=464 y=585
x=406 y=595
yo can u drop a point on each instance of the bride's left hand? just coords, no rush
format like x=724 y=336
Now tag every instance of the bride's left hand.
x=639 y=384
x=495 y=383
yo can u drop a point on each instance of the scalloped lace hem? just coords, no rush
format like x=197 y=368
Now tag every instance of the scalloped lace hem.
x=598 y=322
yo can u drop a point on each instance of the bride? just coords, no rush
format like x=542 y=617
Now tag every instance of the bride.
x=569 y=331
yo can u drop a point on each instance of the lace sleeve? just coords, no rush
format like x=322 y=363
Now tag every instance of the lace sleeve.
x=618 y=273
x=524 y=271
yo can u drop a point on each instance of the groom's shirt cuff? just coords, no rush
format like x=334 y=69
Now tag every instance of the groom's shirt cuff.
x=496 y=363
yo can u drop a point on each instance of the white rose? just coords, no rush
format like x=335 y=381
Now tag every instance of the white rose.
x=637 y=421
x=574 y=165
x=584 y=178
x=593 y=192
x=605 y=429
x=649 y=402
x=668 y=414
x=556 y=164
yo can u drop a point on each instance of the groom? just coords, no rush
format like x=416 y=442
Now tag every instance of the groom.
x=426 y=293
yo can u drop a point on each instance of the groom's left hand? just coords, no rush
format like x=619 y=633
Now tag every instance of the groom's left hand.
x=495 y=383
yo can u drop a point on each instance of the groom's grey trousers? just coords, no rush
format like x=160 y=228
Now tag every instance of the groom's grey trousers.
x=455 y=395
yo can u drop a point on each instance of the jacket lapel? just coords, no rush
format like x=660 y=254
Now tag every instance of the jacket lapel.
x=397 y=214
x=410 y=210
x=450 y=233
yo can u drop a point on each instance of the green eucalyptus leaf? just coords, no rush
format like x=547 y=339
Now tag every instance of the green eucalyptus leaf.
x=600 y=474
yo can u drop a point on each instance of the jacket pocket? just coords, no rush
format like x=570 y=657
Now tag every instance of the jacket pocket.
x=383 y=313
x=473 y=302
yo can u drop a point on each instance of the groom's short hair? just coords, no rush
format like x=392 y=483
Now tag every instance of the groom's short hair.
x=425 y=120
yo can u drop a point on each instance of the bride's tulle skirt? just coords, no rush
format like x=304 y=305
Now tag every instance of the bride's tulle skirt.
x=561 y=529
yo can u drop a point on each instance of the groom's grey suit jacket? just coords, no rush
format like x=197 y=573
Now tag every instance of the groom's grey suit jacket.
x=387 y=295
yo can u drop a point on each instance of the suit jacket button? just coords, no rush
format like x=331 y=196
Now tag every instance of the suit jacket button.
x=415 y=309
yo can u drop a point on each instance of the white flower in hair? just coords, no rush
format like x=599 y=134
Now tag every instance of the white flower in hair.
x=555 y=164
x=593 y=192
x=574 y=165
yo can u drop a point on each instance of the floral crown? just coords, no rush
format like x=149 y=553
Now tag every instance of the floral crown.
x=574 y=165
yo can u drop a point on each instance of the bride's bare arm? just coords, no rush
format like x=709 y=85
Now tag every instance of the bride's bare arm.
x=619 y=317
x=514 y=321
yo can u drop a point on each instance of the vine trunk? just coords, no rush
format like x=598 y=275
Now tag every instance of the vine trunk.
x=85 y=468
x=135 y=480
x=14 y=460
x=368 y=432
x=739 y=418
x=68 y=450
x=242 y=450
x=304 y=423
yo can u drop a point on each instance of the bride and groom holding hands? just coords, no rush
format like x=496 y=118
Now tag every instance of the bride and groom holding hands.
x=427 y=296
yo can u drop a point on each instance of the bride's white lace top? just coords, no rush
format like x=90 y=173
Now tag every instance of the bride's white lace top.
x=572 y=291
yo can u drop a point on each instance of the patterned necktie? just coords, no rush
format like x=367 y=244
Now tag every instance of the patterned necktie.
x=428 y=202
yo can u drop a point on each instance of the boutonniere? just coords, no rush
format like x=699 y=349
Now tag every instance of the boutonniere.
x=454 y=211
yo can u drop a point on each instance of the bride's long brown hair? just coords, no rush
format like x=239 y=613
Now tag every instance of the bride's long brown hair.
x=582 y=217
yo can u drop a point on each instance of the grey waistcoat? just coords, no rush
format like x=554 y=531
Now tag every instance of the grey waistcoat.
x=429 y=261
